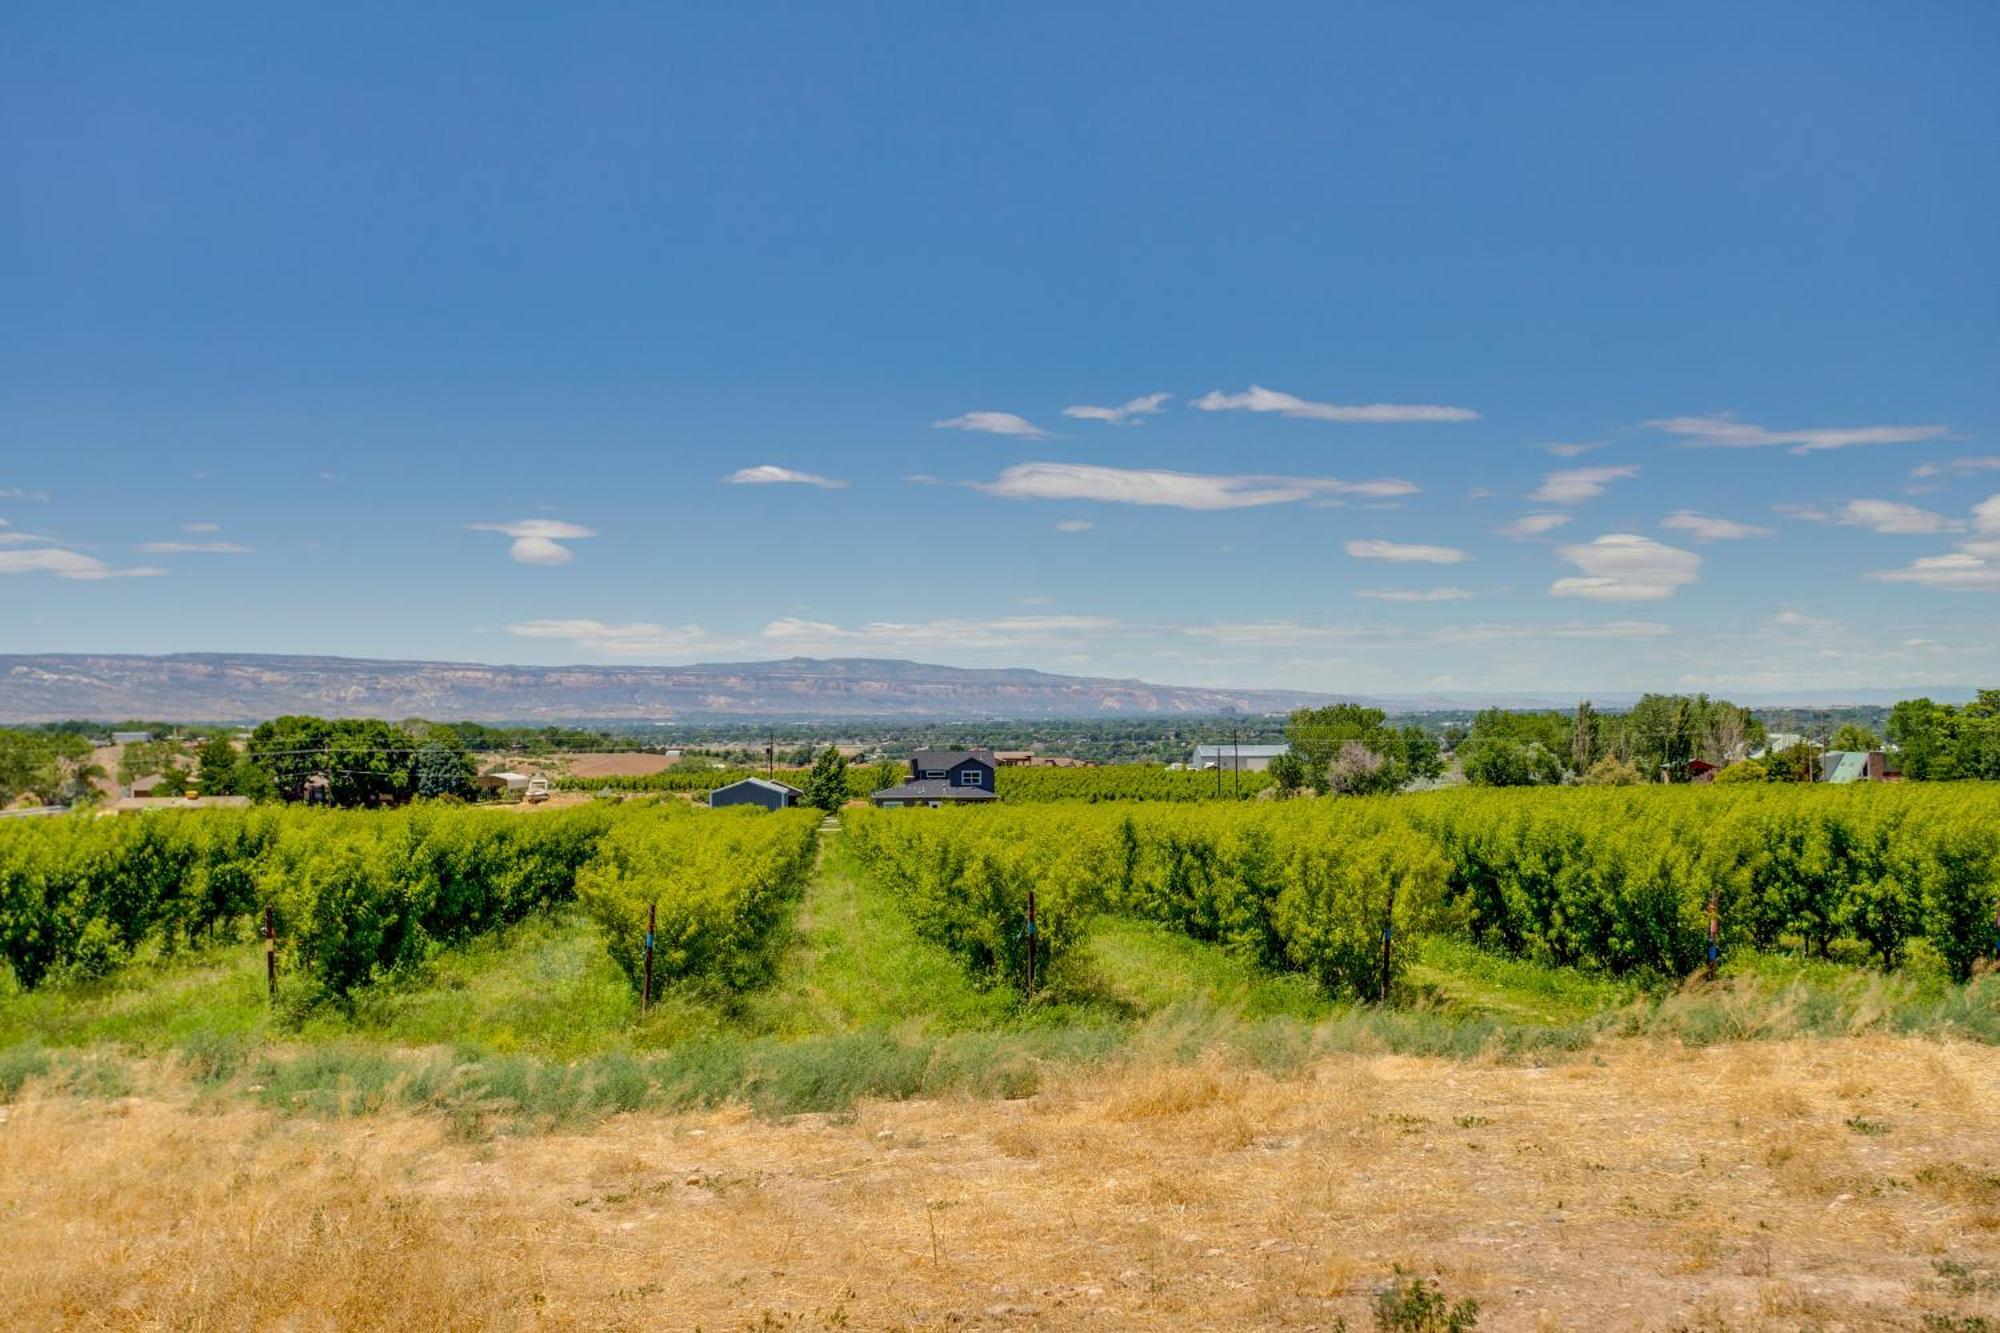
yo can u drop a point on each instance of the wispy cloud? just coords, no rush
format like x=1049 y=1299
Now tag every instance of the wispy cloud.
x=1708 y=528
x=1575 y=485
x=201 y=527
x=1625 y=567
x=68 y=565
x=193 y=548
x=1803 y=513
x=1789 y=619
x=1376 y=549
x=994 y=423
x=1572 y=450
x=1961 y=571
x=1132 y=412
x=1529 y=526
x=1180 y=490
x=1959 y=467
x=957 y=633
x=1724 y=431
x=1259 y=399
x=1973 y=567
x=1893 y=516
x=16 y=493
x=1075 y=525
x=632 y=639
x=767 y=474
x=538 y=541
x=1414 y=594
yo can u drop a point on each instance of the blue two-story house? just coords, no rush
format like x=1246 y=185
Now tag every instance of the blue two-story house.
x=943 y=777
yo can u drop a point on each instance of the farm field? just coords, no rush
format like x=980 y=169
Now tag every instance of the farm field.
x=843 y=1110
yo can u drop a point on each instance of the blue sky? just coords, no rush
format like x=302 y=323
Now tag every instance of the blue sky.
x=337 y=329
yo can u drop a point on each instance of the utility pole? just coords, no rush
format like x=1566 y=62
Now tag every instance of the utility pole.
x=1236 y=742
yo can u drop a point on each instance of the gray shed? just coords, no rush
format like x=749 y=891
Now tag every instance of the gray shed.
x=755 y=791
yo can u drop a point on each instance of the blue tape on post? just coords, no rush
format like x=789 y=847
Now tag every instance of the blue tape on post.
x=1712 y=951
x=649 y=941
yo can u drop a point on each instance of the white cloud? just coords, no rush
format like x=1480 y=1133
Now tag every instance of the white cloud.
x=1722 y=430
x=1804 y=513
x=1800 y=620
x=956 y=634
x=994 y=423
x=1986 y=514
x=1180 y=490
x=1625 y=567
x=1532 y=525
x=194 y=548
x=1893 y=516
x=1961 y=571
x=1375 y=549
x=1708 y=528
x=68 y=565
x=1571 y=450
x=635 y=639
x=1959 y=467
x=537 y=541
x=1075 y=525
x=1414 y=594
x=1259 y=399
x=766 y=474
x=1575 y=485
x=16 y=493
x=1132 y=412
x=201 y=527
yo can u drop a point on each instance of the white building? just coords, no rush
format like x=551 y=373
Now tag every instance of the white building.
x=1251 y=758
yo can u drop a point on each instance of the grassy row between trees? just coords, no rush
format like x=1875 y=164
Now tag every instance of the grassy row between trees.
x=1108 y=782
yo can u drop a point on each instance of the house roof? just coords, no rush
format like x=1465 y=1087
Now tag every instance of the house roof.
x=923 y=759
x=766 y=783
x=1844 y=765
x=933 y=789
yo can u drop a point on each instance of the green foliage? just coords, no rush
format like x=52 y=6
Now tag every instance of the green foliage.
x=1940 y=742
x=1501 y=761
x=721 y=881
x=827 y=785
x=1412 y=1303
x=1743 y=770
x=1110 y=782
x=1853 y=736
x=1611 y=771
x=963 y=877
x=54 y=767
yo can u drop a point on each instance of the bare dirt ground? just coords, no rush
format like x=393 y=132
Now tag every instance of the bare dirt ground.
x=1836 y=1185
x=616 y=765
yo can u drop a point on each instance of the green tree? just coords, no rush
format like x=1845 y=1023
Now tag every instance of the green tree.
x=886 y=773
x=1288 y=772
x=826 y=784
x=1501 y=761
x=1611 y=771
x=1583 y=739
x=1853 y=736
x=145 y=759
x=1743 y=770
x=216 y=764
x=442 y=767
x=1325 y=740
x=1422 y=760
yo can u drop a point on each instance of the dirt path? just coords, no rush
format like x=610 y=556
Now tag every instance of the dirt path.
x=1851 y=1184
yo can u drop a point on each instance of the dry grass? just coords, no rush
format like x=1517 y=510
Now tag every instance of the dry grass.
x=1644 y=1186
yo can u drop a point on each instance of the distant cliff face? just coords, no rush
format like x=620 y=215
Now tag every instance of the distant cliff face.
x=243 y=686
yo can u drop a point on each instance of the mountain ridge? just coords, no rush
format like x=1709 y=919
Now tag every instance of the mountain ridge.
x=242 y=687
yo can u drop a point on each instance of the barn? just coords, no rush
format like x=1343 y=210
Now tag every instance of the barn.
x=755 y=791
